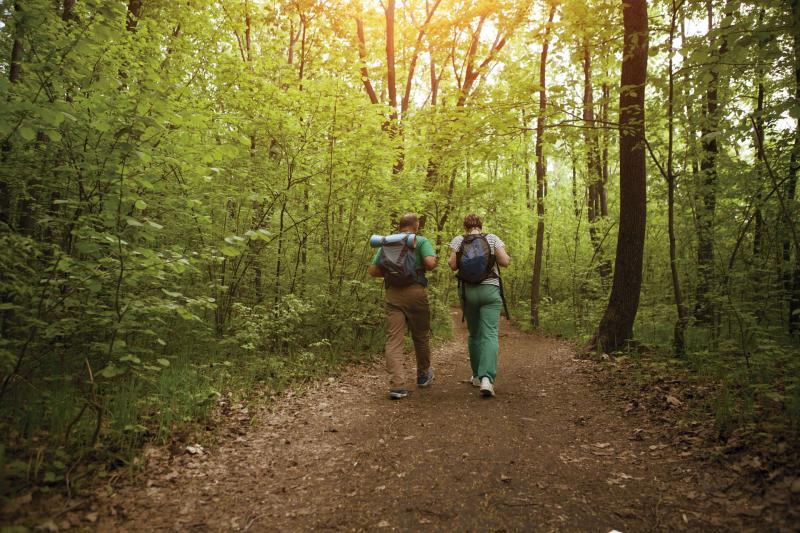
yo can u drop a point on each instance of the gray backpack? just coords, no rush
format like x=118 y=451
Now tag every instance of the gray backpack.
x=398 y=264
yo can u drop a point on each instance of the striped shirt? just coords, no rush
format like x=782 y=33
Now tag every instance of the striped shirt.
x=494 y=243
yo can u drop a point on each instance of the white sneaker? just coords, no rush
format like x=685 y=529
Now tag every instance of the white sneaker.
x=487 y=389
x=476 y=381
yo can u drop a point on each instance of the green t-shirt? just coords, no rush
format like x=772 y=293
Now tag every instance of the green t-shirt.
x=424 y=248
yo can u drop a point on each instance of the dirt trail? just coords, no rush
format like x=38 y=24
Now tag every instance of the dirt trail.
x=552 y=452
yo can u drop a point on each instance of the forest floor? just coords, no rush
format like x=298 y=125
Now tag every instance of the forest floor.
x=557 y=449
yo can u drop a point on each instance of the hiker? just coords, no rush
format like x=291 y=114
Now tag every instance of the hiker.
x=406 y=302
x=476 y=256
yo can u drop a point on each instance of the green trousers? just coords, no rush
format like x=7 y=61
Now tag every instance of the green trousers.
x=482 y=311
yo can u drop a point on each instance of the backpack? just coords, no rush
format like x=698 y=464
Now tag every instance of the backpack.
x=475 y=259
x=398 y=264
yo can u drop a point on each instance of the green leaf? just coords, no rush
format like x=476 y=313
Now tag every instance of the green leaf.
x=163 y=362
x=133 y=222
x=111 y=371
x=27 y=133
x=130 y=359
x=171 y=293
x=52 y=118
x=144 y=156
x=231 y=251
x=140 y=204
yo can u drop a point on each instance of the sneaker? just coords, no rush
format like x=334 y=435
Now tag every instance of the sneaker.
x=396 y=394
x=487 y=389
x=425 y=379
x=476 y=381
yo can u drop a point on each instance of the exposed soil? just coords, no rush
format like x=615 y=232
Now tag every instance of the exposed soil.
x=554 y=451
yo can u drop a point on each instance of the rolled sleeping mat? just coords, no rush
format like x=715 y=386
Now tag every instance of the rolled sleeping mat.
x=379 y=240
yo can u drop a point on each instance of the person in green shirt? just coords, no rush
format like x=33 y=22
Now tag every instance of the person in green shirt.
x=407 y=306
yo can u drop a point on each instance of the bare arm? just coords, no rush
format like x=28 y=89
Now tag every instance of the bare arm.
x=452 y=262
x=374 y=271
x=503 y=259
x=429 y=262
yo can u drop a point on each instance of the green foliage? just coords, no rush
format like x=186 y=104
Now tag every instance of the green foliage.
x=184 y=210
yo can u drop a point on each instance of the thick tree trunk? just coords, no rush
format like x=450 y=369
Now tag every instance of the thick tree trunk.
x=541 y=168
x=616 y=326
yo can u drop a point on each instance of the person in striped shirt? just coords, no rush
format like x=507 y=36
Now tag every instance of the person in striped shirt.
x=482 y=303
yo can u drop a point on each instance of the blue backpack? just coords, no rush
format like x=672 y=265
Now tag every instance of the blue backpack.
x=475 y=265
x=475 y=259
x=398 y=264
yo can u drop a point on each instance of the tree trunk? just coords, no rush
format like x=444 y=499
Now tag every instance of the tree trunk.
x=14 y=74
x=791 y=181
x=705 y=310
x=362 y=56
x=758 y=218
x=616 y=326
x=594 y=168
x=15 y=69
x=67 y=13
x=541 y=169
x=390 y=66
x=678 y=334
x=604 y=154
x=134 y=12
x=526 y=159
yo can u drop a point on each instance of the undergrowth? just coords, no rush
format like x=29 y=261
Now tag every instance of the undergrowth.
x=65 y=430
x=747 y=383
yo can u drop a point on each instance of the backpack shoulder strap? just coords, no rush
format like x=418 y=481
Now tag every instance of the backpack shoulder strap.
x=461 y=246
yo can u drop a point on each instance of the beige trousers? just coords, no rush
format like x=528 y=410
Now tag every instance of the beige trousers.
x=407 y=306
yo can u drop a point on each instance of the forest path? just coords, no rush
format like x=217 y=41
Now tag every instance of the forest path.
x=552 y=451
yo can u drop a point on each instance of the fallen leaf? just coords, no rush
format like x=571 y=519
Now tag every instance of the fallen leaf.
x=48 y=525
x=601 y=444
x=15 y=504
x=505 y=479
x=92 y=517
x=673 y=401
x=195 y=449
x=383 y=523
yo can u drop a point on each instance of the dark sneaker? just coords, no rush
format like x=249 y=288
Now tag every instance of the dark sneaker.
x=425 y=379
x=396 y=394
